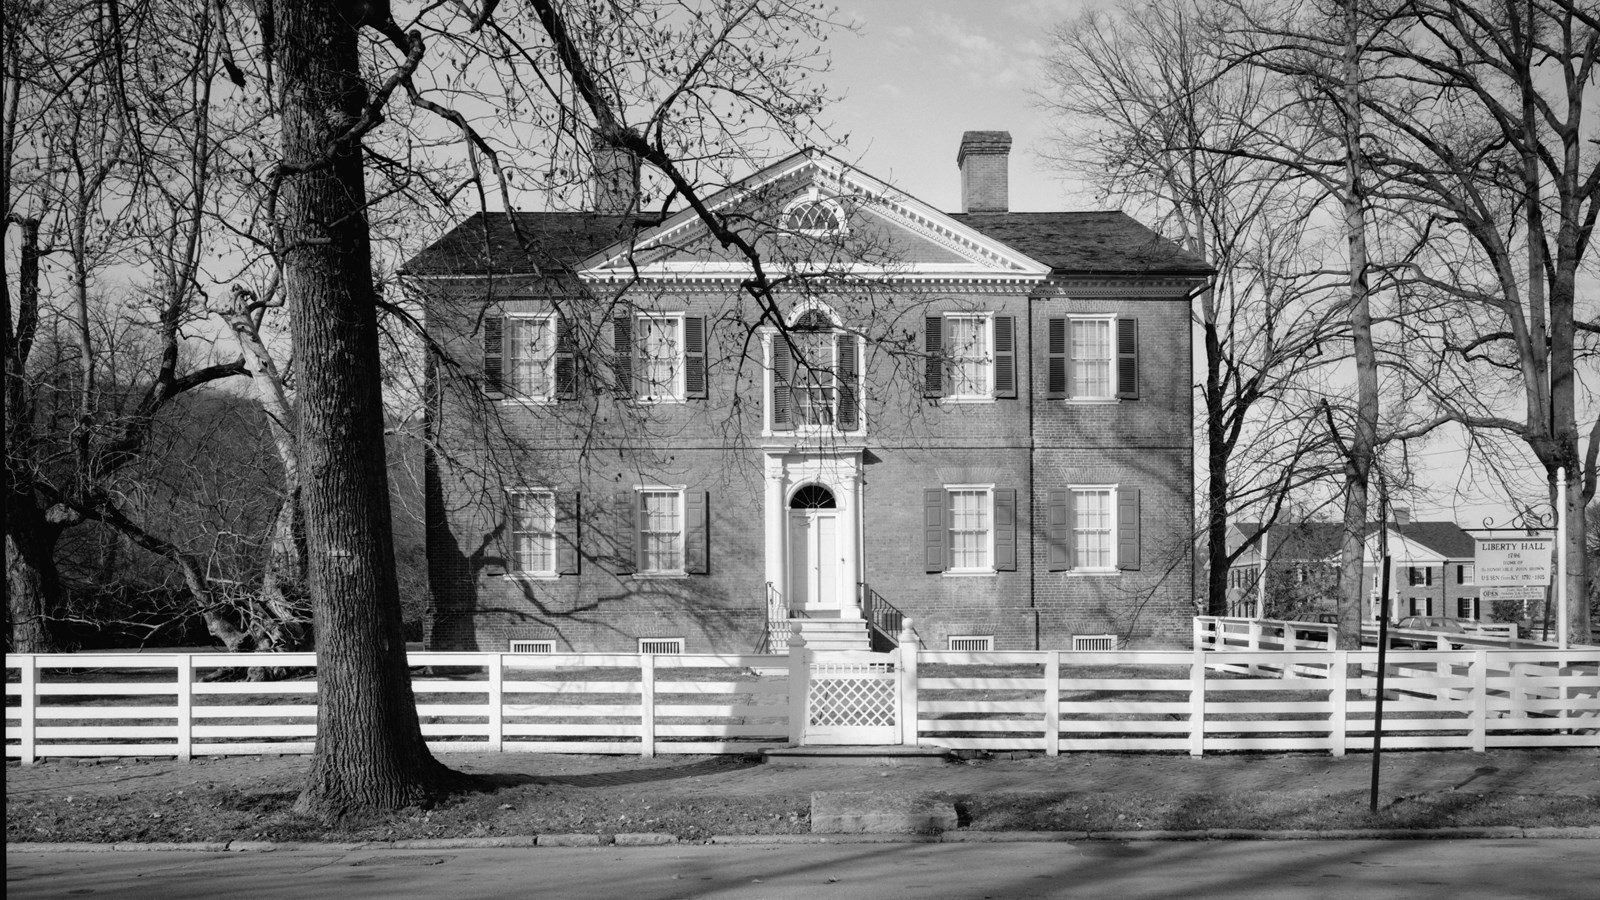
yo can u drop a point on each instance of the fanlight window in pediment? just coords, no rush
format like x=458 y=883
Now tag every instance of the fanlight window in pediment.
x=815 y=216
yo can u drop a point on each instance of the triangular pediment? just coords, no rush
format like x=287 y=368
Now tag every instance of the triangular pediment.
x=812 y=213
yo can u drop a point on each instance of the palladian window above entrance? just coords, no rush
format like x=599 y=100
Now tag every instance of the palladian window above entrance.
x=815 y=382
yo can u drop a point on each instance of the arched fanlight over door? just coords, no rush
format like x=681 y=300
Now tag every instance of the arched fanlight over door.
x=813 y=496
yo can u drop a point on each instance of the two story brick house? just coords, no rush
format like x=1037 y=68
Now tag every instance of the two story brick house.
x=977 y=420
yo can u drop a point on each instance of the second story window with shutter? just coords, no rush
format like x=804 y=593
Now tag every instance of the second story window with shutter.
x=815 y=383
x=660 y=357
x=528 y=356
x=1092 y=358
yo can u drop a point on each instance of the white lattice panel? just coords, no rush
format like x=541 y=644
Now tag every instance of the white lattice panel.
x=852 y=703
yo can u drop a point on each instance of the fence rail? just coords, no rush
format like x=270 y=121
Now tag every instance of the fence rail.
x=1192 y=701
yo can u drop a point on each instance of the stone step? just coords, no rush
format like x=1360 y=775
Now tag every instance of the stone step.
x=835 y=634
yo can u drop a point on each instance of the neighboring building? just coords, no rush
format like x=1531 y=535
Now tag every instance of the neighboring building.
x=981 y=420
x=1431 y=566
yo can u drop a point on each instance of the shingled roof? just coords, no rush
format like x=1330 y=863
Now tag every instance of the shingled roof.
x=1071 y=243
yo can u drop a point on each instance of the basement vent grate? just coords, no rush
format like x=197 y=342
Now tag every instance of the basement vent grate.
x=533 y=646
x=972 y=643
x=661 y=645
x=1088 y=643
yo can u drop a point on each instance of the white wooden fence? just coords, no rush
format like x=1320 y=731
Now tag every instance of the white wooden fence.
x=1193 y=702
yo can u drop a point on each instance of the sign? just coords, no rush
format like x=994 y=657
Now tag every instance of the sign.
x=1516 y=562
x=1517 y=592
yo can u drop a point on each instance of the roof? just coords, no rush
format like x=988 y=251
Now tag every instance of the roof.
x=1319 y=540
x=1070 y=243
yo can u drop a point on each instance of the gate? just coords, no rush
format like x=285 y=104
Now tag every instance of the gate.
x=852 y=697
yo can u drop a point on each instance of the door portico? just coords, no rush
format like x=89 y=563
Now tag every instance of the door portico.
x=813 y=531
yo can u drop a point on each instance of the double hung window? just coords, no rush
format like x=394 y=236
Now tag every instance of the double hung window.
x=814 y=385
x=1092 y=358
x=528 y=356
x=970 y=356
x=660 y=357
x=1092 y=528
x=662 y=531
x=532 y=523
x=970 y=529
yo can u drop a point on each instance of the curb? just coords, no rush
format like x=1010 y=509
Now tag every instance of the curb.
x=656 y=839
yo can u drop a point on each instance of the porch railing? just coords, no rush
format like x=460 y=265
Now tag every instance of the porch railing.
x=777 y=621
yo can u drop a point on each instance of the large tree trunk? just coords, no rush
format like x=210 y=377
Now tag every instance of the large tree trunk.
x=33 y=586
x=369 y=751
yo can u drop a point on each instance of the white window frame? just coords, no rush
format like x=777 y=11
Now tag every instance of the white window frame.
x=953 y=363
x=772 y=339
x=680 y=364
x=1469 y=574
x=640 y=531
x=514 y=388
x=1079 y=491
x=987 y=492
x=830 y=370
x=514 y=567
x=814 y=196
x=1074 y=383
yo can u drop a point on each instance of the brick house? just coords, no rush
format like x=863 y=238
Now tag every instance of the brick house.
x=977 y=420
x=1432 y=562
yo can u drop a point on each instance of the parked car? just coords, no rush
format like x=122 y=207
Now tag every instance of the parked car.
x=1430 y=623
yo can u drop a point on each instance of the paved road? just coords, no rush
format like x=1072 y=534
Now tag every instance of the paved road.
x=1235 y=870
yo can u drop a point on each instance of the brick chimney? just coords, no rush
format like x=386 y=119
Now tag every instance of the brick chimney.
x=985 y=184
x=616 y=179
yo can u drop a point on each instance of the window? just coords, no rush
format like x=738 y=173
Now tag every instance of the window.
x=970 y=356
x=1419 y=576
x=533 y=532
x=528 y=356
x=1465 y=574
x=1467 y=608
x=661 y=531
x=1093 y=358
x=814 y=215
x=814 y=383
x=660 y=357
x=1092 y=528
x=970 y=529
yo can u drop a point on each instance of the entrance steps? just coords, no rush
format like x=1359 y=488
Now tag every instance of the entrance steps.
x=813 y=755
x=834 y=633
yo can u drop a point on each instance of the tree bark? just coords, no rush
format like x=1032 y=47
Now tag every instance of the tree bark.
x=369 y=751
x=33 y=586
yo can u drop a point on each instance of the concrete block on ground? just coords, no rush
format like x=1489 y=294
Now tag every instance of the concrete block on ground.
x=881 y=812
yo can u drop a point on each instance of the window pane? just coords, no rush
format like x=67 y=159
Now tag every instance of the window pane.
x=1092 y=530
x=967 y=349
x=661 y=531
x=530 y=356
x=1091 y=358
x=813 y=377
x=660 y=352
x=969 y=529
x=533 y=526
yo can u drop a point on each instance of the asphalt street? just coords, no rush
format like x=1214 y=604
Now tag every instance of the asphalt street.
x=1237 y=870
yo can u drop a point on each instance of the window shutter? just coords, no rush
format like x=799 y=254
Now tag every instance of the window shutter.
x=1005 y=357
x=566 y=364
x=1058 y=531
x=1427 y=575
x=848 y=417
x=493 y=560
x=782 y=369
x=1005 y=530
x=1127 y=359
x=933 y=361
x=694 y=357
x=625 y=523
x=567 y=555
x=1056 y=378
x=933 y=537
x=1411 y=576
x=494 y=356
x=622 y=354
x=696 y=533
x=1461 y=574
x=1128 y=529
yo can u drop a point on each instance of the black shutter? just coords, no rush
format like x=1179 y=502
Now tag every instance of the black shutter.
x=1127 y=359
x=1005 y=530
x=625 y=530
x=566 y=364
x=1128 y=529
x=1058 y=531
x=782 y=372
x=1056 y=379
x=933 y=536
x=696 y=532
x=494 y=356
x=933 y=360
x=567 y=555
x=848 y=418
x=622 y=354
x=1005 y=357
x=694 y=357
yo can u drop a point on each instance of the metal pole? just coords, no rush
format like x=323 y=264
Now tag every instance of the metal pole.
x=1383 y=654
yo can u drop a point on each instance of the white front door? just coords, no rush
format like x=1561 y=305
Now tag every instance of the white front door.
x=814 y=559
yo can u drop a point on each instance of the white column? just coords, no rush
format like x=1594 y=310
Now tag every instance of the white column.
x=850 y=544
x=774 y=514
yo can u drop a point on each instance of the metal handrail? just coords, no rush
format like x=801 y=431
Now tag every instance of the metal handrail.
x=881 y=615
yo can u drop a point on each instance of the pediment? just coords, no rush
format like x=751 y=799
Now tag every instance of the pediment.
x=784 y=212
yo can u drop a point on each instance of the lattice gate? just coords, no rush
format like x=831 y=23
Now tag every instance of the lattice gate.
x=852 y=698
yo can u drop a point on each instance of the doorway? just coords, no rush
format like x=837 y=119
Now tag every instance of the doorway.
x=814 y=558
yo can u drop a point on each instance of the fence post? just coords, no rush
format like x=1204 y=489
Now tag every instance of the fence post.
x=647 y=705
x=910 y=730
x=29 y=711
x=1197 y=704
x=1480 y=700
x=497 y=702
x=799 y=684
x=1338 y=700
x=1052 y=702
x=185 y=710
